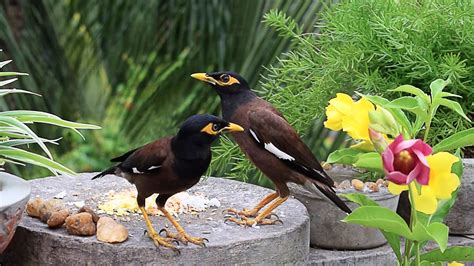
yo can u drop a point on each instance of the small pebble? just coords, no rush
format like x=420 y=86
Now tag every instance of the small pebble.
x=80 y=224
x=373 y=187
x=357 y=184
x=379 y=182
x=345 y=184
x=58 y=218
x=95 y=217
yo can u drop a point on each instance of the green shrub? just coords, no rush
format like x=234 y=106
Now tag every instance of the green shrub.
x=370 y=47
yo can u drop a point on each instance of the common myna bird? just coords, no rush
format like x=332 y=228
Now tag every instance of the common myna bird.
x=171 y=165
x=271 y=144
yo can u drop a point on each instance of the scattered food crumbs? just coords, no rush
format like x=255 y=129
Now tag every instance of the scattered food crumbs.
x=60 y=195
x=78 y=204
x=124 y=203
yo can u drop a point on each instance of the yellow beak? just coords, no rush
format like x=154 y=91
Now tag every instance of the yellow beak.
x=232 y=128
x=204 y=77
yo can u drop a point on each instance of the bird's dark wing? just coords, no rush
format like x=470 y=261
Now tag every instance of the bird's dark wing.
x=273 y=133
x=147 y=159
x=124 y=156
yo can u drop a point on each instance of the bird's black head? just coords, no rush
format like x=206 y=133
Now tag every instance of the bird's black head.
x=224 y=82
x=204 y=129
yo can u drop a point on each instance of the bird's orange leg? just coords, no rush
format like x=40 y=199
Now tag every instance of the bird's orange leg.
x=181 y=235
x=253 y=212
x=157 y=239
x=261 y=218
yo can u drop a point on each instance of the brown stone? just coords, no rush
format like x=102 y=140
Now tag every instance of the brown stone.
x=110 y=231
x=80 y=224
x=58 y=218
x=46 y=208
x=345 y=184
x=32 y=208
x=95 y=217
x=373 y=187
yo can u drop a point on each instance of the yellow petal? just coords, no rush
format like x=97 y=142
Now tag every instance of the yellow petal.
x=336 y=110
x=442 y=182
x=426 y=201
x=455 y=263
x=396 y=189
x=356 y=124
x=441 y=162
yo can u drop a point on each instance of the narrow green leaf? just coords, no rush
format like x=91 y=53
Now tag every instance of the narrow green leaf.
x=22 y=127
x=450 y=254
x=407 y=103
x=6 y=82
x=394 y=242
x=4 y=63
x=381 y=218
x=415 y=91
x=447 y=94
x=360 y=199
x=4 y=74
x=371 y=161
x=4 y=92
x=461 y=139
x=56 y=122
x=343 y=156
x=455 y=106
x=33 y=158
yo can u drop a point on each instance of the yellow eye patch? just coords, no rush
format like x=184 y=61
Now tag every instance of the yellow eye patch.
x=231 y=81
x=210 y=129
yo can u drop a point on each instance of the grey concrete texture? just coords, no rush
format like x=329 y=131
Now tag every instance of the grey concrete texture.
x=461 y=217
x=35 y=244
x=326 y=228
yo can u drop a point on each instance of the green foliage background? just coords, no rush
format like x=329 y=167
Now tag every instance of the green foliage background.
x=125 y=65
x=369 y=46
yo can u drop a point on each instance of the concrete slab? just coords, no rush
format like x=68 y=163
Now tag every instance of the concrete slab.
x=35 y=244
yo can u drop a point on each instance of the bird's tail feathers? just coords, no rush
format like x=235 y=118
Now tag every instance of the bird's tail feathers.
x=327 y=193
x=109 y=171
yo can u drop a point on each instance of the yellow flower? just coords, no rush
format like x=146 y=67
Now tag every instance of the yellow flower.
x=455 y=263
x=442 y=183
x=356 y=123
x=337 y=109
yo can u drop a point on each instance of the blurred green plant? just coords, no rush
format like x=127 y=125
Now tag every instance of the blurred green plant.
x=126 y=63
x=15 y=133
x=369 y=46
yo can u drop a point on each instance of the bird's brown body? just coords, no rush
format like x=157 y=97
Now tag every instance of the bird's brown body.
x=272 y=145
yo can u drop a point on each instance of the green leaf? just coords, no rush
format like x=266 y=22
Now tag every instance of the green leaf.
x=33 y=158
x=381 y=218
x=461 y=139
x=4 y=74
x=450 y=254
x=24 y=129
x=447 y=94
x=407 y=103
x=436 y=87
x=435 y=231
x=371 y=161
x=360 y=199
x=343 y=156
x=455 y=106
x=4 y=92
x=6 y=82
x=415 y=91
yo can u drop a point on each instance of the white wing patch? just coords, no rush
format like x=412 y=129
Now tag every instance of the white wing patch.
x=153 y=167
x=254 y=135
x=135 y=171
x=277 y=152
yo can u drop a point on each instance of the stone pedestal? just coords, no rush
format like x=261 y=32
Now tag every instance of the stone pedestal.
x=35 y=244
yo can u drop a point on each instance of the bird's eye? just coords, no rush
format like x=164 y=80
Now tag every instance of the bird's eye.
x=215 y=127
x=225 y=78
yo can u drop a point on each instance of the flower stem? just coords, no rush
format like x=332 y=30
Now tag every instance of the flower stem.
x=413 y=220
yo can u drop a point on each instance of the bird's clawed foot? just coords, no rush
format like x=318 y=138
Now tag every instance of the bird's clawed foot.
x=163 y=242
x=245 y=221
x=243 y=213
x=184 y=238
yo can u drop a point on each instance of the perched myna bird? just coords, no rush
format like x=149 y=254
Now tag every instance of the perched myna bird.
x=271 y=144
x=171 y=165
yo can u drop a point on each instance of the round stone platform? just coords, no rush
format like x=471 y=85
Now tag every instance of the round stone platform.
x=36 y=244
